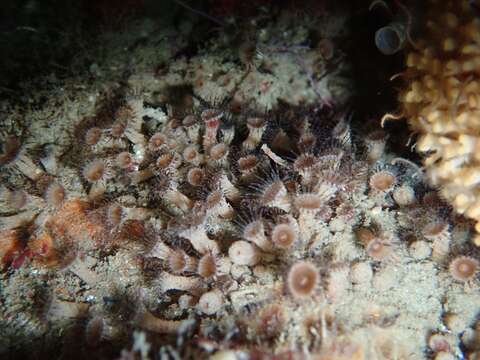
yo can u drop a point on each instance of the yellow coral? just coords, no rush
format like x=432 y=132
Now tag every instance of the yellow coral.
x=441 y=102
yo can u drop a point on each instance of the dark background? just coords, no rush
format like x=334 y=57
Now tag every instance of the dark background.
x=42 y=37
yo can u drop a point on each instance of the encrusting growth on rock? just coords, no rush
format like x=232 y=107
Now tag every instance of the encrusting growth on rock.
x=212 y=228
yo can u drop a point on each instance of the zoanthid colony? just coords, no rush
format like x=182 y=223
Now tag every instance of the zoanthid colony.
x=224 y=209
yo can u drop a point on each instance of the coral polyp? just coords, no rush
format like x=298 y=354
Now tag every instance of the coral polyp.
x=302 y=280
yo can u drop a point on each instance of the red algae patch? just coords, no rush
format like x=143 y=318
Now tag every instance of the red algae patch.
x=11 y=245
x=68 y=229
